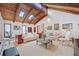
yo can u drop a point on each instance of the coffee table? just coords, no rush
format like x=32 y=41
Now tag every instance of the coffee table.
x=45 y=42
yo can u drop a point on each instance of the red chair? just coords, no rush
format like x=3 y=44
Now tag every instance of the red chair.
x=19 y=39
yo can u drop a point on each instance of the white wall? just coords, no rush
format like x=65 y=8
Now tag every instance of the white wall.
x=1 y=28
x=16 y=32
x=60 y=17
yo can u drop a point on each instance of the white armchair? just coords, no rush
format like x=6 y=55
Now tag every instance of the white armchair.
x=66 y=39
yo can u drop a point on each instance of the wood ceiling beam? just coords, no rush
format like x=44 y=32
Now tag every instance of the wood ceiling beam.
x=40 y=19
x=27 y=14
x=34 y=19
x=44 y=11
x=15 y=13
x=34 y=15
x=69 y=9
x=39 y=16
x=65 y=4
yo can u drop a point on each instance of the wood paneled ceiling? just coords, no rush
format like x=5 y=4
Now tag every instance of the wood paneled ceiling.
x=66 y=7
x=11 y=12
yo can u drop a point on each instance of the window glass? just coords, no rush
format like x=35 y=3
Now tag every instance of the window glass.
x=7 y=30
x=31 y=17
x=21 y=14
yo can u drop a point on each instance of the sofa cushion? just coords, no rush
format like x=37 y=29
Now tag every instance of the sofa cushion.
x=30 y=37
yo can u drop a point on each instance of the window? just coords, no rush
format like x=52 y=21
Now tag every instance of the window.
x=7 y=30
x=24 y=29
x=31 y=17
x=21 y=14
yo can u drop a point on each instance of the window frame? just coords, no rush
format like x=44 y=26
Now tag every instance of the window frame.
x=20 y=12
x=5 y=31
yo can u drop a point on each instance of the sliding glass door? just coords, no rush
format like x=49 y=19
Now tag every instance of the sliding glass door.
x=7 y=30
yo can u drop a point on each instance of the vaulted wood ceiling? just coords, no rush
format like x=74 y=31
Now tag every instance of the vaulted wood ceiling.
x=66 y=7
x=11 y=12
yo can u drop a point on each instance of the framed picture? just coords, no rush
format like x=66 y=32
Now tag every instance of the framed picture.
x=67 y=26
x=49 y=27
x=30 y=29
x=16 y=27
x=56 y=26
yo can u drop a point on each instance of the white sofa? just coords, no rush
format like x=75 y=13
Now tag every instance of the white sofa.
x=30 y=37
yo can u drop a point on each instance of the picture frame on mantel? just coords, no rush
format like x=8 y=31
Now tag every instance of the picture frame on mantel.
x=56 y=26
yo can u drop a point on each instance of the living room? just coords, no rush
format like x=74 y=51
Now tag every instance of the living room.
x=51 y=32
